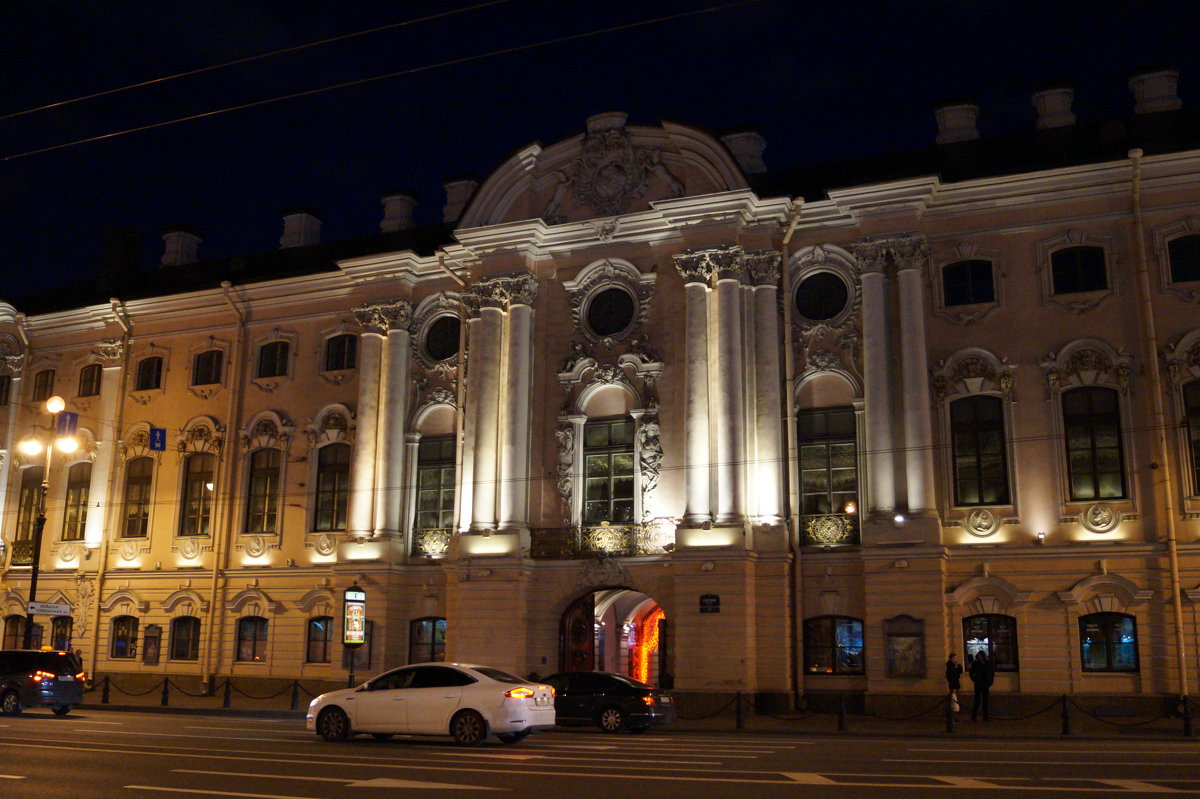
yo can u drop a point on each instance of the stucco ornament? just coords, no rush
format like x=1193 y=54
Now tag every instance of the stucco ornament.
x=564 y=434
x=111 y=350
x=504 y=291
x=982 y=522
x=380 y=317
x=699 y=265
x=12 y=364
x=650 y=453
x=1100 y=518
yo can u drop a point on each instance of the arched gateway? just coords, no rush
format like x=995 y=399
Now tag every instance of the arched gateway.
x=617 y=630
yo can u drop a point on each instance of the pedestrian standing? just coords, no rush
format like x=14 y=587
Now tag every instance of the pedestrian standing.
x=982 y=675
x=954 y=672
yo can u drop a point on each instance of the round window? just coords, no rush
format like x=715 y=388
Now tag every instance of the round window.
x=441 y=342
x=821 y=296
x=610 y=312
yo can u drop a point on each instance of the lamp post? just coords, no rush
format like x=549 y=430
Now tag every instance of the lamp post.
x=33 y=446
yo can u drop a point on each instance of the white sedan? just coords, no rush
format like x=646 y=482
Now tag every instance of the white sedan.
x=467 y=702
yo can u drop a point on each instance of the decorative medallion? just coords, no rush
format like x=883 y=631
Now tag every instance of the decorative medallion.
x=432 y=543
x=325 y=544
x=128 y=550
x=189 y=549
x=829 y=530
x=67 y=553
x=1100 y=518
x=255 y=546
x=982 y=522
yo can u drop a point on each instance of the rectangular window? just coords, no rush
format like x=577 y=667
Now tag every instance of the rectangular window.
x=1184 y=253
x=138 y=473
x=262 y=500
x=320 y=635
x=79 y=478
x=251 y=639
x=149 y=374
x=5 y=389
x=197 y=494
x=28 y=502
x=993 y=634
x=833 y=645
x=980 y=462
x=967 y=283
x=828 y=476
x=1191 y=403
x=124 y=638
x=89 y=380
x=341 y=352
x=273 y=359
x=427 y=640
x=1095 y=462
x=185 y=638
x=1108 y=642
x=1077 y=269
x=206 y=368
x=43 y=385
x=435 y=482
x=608 y=477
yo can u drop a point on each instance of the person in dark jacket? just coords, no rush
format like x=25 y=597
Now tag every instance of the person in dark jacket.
x=954 y=672
x=982 y=674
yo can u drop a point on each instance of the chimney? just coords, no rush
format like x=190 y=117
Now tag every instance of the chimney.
x=1053 y=106
x=956 y=122
x=301 y=227
x=181 y=246
x=458 y=193
x=747 y=147
x=397 y=211
x=1155 y=90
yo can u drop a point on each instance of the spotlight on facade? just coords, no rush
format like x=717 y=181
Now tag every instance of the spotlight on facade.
x=898 y=519
x=1041 y=537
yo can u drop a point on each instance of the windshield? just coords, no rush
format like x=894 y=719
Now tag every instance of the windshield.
x=499 y=676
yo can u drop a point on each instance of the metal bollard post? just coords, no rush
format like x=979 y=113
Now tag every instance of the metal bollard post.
x=1066 y=717
x=104 y=692
x=950 y=712
x=737 y=711
x=166 y=694
x=295 y=694
x=841 y=712
x=1187 y=719
x=225 y=701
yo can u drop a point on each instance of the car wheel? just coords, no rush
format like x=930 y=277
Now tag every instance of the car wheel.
x=512 y=737
x=468 y=728
x=611 y=719
x=381 y=736
x=61 y=710
x=333 y=725
x=10 y=704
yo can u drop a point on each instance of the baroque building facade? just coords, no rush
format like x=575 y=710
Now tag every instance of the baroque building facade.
x=635 y=407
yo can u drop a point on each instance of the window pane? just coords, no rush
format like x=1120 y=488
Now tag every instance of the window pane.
x=1184 y=254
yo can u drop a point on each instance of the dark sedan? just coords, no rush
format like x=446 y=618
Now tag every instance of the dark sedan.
x=613 y=702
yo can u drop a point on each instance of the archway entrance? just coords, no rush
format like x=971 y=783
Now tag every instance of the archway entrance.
x=617 y=630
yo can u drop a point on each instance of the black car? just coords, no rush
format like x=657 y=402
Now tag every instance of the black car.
x=611 y=701
x=39 y=678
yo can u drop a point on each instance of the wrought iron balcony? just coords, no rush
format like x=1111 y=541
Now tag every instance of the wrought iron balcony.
x=22 y=553
x=593 y=541
x=433 y=543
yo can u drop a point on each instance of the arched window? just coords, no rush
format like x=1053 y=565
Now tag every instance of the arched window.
x=262 y=496
x=833 y=645
x=197 y=494
x=828 y=439
x=185 y=638
x=435 y=482
x=27 y=503
x=1095 y=461
x=60 y=633
x=1108 y=642
x=320 y=636
x=1191 y=402
x=1184 y=254
x=427 y=640
x=251 y=639
x=89 y=380
x=43 y=385
x=273 y=359
x=608 y=476
x=79 y=478
x=980 y=461
x=993 y=634
x=1076 y=269
x=138 y=473
x=341 y=352
x=149 y=374
x=14 y=632
x=333 y=487
x=124 y=637
x=206 y=367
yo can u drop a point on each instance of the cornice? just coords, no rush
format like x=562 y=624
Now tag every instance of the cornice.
x=898 y=198
x=741 y=208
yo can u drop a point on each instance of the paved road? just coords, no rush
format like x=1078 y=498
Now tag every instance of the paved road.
x=97 y=754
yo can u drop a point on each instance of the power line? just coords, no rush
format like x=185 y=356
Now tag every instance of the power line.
x=386 y=76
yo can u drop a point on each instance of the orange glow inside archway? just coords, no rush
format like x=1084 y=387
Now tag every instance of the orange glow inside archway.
x=647 y=645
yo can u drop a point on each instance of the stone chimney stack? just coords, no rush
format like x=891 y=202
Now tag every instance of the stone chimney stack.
x=181 y=246
x=458 y=193
x=1053 y=106
x=1155 y=90
x=301 y=227
x=956 y=122
x=747 y=147
x=397 y=211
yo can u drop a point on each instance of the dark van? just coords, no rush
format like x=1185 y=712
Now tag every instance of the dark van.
x=39 y=678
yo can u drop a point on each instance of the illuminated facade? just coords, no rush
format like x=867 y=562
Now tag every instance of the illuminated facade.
x=825 y=442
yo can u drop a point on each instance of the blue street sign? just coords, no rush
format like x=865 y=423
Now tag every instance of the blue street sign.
x=158 y=439
x=66 y=423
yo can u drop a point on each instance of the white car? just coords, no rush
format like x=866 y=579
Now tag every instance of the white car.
x=465 y=701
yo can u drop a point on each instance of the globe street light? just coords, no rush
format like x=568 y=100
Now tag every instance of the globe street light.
x=33 y=447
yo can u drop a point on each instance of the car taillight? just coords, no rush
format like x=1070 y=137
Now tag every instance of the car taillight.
x=553 y=693
x=81 y=675
x=40 y=675
x=519 y=693
x=648 y=700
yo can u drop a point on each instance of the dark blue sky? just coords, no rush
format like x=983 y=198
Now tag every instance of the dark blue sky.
x=822 y=80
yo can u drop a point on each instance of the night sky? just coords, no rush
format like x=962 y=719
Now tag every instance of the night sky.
x=823 y=81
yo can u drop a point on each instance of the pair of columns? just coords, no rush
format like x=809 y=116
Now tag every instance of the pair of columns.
x=732 y=386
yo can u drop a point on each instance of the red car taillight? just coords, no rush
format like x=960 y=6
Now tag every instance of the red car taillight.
x=40 y=675
x=519 y=693
x=649 y=700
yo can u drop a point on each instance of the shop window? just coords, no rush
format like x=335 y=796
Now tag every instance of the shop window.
x=185 y=638
x=821 y=296
x=5 y=389
x=608 y=471
x=273 y=359
x=251 y=639
x=1184 y=253
x=262 y=496
x=124 y=638
x=610 y=312
x=1108 y=642
x=320 y=636
x=138 y=474
x=828 y=475
x=149 y=374
x=89 y=380
x=435 y=482
x=1191 y=402
x=333 y=487
x=833 y=645
x=968 y=283
x=1077 y=269
x=206 y=367
x=360 y=659
x=14 y=632
x=79 y=479
x=28 y=502
x=980 y=462
x=1095 y=461
x=341 y=352
x=993 y=634
x=60 y=633
x=441 y=340
x=427 y=640
x=197 y=494
x=43 y=385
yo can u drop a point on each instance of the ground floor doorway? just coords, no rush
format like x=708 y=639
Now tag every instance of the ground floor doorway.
x=617 y=630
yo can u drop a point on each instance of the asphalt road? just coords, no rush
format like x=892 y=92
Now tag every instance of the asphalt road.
x=97 y=754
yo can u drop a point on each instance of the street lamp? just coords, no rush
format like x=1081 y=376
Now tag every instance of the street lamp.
x=33 y=446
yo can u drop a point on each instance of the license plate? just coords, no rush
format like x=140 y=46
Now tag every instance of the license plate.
x=66 y=677
x=542 y=700
x=666 y=700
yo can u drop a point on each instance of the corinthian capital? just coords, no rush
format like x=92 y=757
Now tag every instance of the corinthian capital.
x=505 y=291
x=11 y=365
x=872 y=254
x=380 y=317
x=699 y=265
x=910 y=252
x=763 y=266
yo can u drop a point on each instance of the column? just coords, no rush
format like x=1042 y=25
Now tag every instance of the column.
x=112 y=353
x=10 y=365
x=763 y=267
x=912 y=254
x=696 y=270
x=393 y=400
x=730 y=428
x=881 y=480
x=515 y=402
x=361 y=510
x=464 y=500
x=485 y=359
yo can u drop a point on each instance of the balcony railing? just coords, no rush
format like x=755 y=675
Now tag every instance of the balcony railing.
x=830 y=530
x=433 y=543
x=594 y=541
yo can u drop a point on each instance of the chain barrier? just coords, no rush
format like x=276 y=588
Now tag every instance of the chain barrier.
x=760 y=712
x=1046 y=709
x=1103 y=720
x=716 y=712
x=305 y=691
x=240 y=692
x=200 y=695
x=121 y=690
x=925 y=712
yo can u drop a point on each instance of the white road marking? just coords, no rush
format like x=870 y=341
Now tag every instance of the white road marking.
x=113 y=723
x=378 y=782
x=1137 y=785
x=182 y=735
x=1083 y=748
x=11 y=777
x=951 y=783
x=210 y=792
x=1077 y=762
